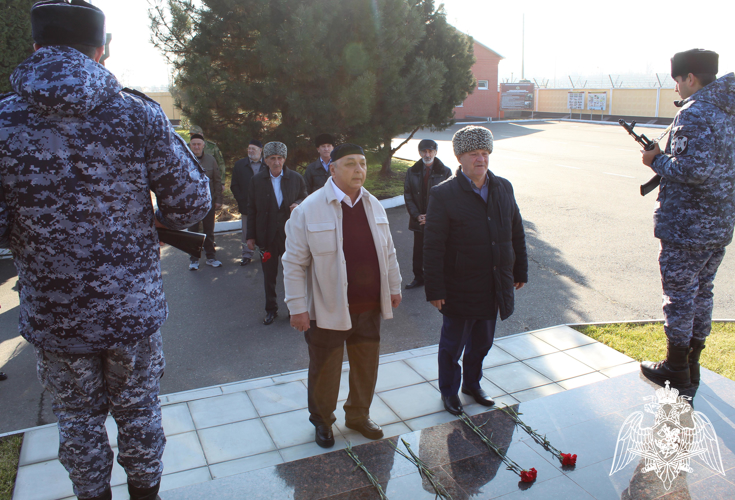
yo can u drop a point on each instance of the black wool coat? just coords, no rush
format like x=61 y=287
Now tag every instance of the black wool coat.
x=413 y=189
x=474 y=251
x=242 y=172
x=265 y=222
x=315 y=176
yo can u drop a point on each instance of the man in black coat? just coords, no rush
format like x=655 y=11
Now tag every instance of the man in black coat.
x=242 y=172
x=273 y=193
x=424 y=175
x=317 y=173
x=474 y=260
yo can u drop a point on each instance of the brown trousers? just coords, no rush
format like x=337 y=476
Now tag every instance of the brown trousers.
x=326 y=349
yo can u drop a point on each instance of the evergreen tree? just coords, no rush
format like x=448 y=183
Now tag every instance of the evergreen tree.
x=16 y=43
x=363 y=70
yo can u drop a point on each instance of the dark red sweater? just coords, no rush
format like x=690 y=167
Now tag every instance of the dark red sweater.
x=363 y=270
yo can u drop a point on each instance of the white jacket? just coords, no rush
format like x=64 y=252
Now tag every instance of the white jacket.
x=314 y=266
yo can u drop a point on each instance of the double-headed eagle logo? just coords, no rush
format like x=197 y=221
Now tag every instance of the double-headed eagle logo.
x=668 y=446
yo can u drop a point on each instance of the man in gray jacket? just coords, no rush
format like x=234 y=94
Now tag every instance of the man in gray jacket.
x=79 y=157
x=695 y=213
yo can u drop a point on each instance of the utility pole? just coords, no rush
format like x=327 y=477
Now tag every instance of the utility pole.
x=523 y=47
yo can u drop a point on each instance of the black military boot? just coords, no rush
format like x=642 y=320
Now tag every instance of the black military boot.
x=144 y=493
x=675 y=368
x=696 y=349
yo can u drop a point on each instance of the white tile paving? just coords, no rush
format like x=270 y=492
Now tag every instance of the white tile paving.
x=232 y=441
x=221 y=410
x=220 y=431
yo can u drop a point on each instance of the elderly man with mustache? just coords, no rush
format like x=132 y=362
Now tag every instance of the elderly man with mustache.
x=341 y=275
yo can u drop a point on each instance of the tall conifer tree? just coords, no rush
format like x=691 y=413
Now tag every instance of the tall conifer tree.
x=16 y=43
x=287 y=70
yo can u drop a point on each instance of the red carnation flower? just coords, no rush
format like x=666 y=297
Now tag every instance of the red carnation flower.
x=266 y=256
x=528 y=476
x=568 y=459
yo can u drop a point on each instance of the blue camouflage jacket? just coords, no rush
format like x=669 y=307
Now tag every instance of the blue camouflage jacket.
x=696 y=199
x=78 y=161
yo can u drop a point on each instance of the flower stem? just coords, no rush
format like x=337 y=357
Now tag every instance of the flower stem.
x=490 y=445
x=361 y=466
x=423 y=469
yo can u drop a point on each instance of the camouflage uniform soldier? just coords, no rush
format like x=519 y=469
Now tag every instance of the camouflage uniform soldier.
x=211 y=148
x=695 y=213
x=79 y=157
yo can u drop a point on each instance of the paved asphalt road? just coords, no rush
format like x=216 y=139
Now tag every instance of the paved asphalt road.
x=591 y=249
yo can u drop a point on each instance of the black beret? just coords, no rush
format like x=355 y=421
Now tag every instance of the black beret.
x=694 y=61
x=428 y=144
x=57 y=22
x=256 y=142
x=346 y=149
x=195 y=136
x=323 y=139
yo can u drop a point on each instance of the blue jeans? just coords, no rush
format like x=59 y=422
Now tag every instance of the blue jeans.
x=475 y=338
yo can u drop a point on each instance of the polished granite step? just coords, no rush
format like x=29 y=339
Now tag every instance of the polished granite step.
x=221 y=431
x=585 y=421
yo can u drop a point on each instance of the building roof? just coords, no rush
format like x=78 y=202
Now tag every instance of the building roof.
x=488 y=48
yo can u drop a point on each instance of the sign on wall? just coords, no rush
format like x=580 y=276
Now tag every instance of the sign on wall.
x=516 y=96
x=597 y=101
x=575 y=100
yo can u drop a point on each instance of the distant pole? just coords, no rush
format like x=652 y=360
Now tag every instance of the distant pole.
x=523 y=47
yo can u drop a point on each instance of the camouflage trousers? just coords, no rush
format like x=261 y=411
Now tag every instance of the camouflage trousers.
x=85 y=387
x=687 y=278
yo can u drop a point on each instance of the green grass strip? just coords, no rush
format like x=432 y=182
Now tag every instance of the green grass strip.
x=647 y=341
x=9 y=456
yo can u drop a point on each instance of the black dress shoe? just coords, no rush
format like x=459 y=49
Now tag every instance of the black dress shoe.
x=324 y=436
x=245 y=262
x=415 y=283
x=479 y=395
x=3 y=376
x=270 y=318
x=452 y=404
x=367 y=428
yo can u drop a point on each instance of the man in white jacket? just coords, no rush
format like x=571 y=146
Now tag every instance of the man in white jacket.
x=341 y=274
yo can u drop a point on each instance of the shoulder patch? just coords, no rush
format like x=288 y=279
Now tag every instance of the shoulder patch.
x=680 y=145
x=139 y=94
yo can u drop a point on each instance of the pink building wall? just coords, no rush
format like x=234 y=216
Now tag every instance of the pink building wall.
x=482 y=102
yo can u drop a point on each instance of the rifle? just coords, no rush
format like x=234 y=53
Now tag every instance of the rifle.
x=648 y=145
x=186 y=241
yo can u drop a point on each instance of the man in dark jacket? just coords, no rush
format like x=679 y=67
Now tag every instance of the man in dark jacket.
x=242 y=172
x=474 y=259
x=79 y=158
x=274 y=193
x=424 y=175
x=695 y=213
x=317 y=172
x=209 y=165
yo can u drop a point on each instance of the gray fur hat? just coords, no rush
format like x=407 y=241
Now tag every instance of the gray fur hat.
x=471 y=138
x=275 y=148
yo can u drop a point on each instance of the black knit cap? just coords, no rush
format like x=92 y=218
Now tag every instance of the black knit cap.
x=428 y=144
x=324 y=139
x=695 y=61
x=256 y=142
x=346 y=149
x=58 y=22
x=195 y=136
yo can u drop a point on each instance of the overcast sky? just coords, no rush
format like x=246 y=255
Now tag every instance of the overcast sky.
x=561 y=37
